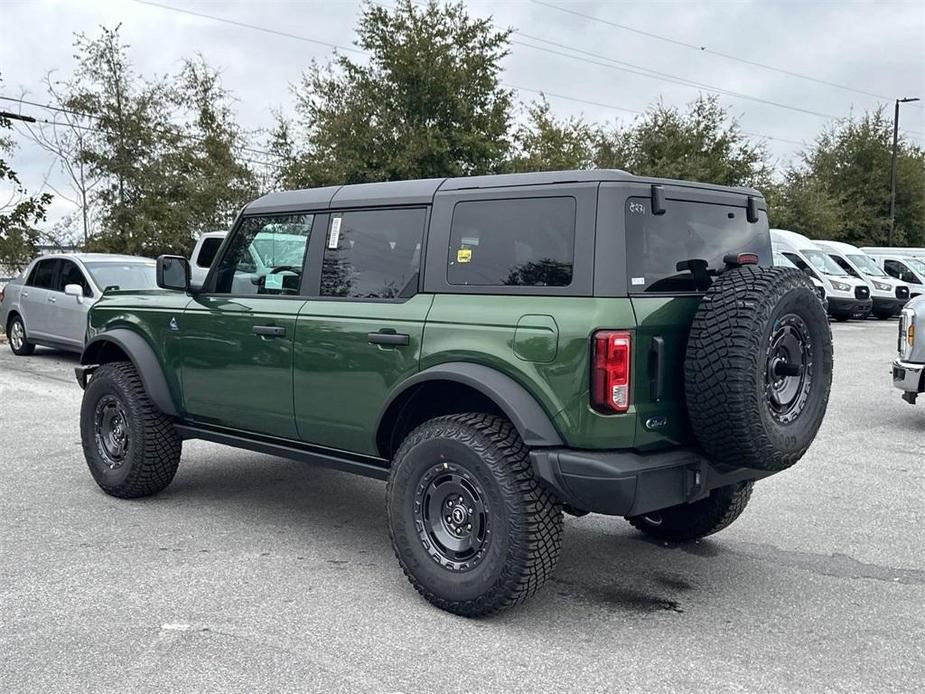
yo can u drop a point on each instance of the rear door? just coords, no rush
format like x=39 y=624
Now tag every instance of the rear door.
x=362 y=334
x=665 y=293
x=37 y=298
x=236 y=338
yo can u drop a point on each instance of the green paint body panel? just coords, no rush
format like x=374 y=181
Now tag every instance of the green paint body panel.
x=233 y=377
x=670 y=319
x=341 y=380
x=536 y=338
x=481 y=329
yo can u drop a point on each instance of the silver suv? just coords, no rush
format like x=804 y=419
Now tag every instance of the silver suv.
x=909 y=366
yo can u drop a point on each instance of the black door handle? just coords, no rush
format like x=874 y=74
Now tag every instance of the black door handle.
x=269 y=330
x=388 y=339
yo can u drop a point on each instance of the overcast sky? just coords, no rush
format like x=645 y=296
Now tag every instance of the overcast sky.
x=874 y=47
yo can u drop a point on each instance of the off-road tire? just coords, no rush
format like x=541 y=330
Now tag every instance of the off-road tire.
x=524 y=519
x=25 y=347
x=687 y=522
x=728 y=387
x=152 y=453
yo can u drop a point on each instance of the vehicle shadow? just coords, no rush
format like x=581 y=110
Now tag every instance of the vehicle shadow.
x=605 y=564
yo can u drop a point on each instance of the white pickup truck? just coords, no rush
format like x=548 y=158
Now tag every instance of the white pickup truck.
x=203 y=254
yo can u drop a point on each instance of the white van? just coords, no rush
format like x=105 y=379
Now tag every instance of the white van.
x=901 y=264
x=888 y=293
x=849 y=297
x=780 y=260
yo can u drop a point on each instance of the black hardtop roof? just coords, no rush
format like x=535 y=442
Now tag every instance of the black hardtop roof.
x=422 y=191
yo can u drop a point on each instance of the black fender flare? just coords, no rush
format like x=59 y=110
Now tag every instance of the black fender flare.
x=142 y=357
x=519 y=406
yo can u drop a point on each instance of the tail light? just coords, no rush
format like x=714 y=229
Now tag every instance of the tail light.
x=610 y=371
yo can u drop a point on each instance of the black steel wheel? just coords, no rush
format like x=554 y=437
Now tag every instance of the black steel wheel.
x=131 y=447
x=788 y=375
x=473 y=529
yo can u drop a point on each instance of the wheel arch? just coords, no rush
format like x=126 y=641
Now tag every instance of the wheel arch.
x=462 y=387
x=122 y=344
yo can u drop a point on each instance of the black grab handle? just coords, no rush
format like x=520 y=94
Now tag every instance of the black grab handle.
x=388 y=338
x=269 y=330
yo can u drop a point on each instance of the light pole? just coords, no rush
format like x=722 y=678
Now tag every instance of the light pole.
x=889 y=240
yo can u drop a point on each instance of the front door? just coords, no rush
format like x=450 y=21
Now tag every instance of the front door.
x=236 y=338
x=70 y=312
x=363 y=335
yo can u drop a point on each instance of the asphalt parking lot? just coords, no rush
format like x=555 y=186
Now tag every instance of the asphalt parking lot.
x=256 y=574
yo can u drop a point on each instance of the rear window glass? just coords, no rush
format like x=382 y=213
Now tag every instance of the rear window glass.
x=527 y=242
x=657 y=246
x=43 y=276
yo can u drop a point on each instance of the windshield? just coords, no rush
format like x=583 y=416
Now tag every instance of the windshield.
x=916 y=265
x=867 y=265
x=678 y=251
x=127 y=275
x=822 y=262
x=781 y=260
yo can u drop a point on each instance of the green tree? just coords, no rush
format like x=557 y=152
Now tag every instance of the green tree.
x=427 y=103
x=841 y=187
x=547 y=143
x=19 y=212
x=700 y=143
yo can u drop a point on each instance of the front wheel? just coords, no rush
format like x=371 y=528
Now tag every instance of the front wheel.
x=884 y=315
x=473 y=529
x=19 y=343
x=687 y=522
x=131 y=447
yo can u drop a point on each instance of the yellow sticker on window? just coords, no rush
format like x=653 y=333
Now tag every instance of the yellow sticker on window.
x=464 y=255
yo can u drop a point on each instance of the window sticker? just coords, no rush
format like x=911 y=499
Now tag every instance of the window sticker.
x=635 y=281
x=464 y=255
x=273 y=281
x=334 y=238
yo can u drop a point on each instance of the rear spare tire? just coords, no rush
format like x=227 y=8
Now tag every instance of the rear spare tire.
x=758 y=368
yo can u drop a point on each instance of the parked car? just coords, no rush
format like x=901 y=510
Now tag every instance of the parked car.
x=203 y=254
x=849 y=297
x=48 y=304
x=905 y=267
x=909 y=366
x=499 y=348
x=781 y=260
x=888 y=294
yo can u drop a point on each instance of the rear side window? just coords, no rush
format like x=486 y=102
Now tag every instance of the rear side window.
x=524 y=242
x=71 y=274
x=660 y=248
x=374 y=254
x=43 y=275
x=207 y=251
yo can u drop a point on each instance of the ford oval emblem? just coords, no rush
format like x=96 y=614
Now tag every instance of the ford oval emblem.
x=656 y=422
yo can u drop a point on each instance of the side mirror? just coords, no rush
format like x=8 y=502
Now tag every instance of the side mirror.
x=173 y=272
x=74 y=290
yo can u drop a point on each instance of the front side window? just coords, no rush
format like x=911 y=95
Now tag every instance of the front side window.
x=266 y=256
x=374 y=254
x=844 y=265
x=800 y=263
x=71 y=274
x=523 y=242
x=680 y=250
x=43 y=275
x=898 y=270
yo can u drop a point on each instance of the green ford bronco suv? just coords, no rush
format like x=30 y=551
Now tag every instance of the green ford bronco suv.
x=501 y=349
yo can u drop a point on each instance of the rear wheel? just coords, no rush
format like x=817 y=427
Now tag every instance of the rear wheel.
x=472 y=528
x=19 y=343
x=687 y=522
x=131 y=447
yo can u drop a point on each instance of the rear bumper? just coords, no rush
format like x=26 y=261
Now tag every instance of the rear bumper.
x=907 y=376
x=849 y=307
x=629 y=483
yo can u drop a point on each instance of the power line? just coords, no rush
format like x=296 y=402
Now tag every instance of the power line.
x=60 y=109
x=45 y=121
x=704 y=49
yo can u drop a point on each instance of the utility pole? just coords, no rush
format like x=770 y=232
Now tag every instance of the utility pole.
x=889 y=238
